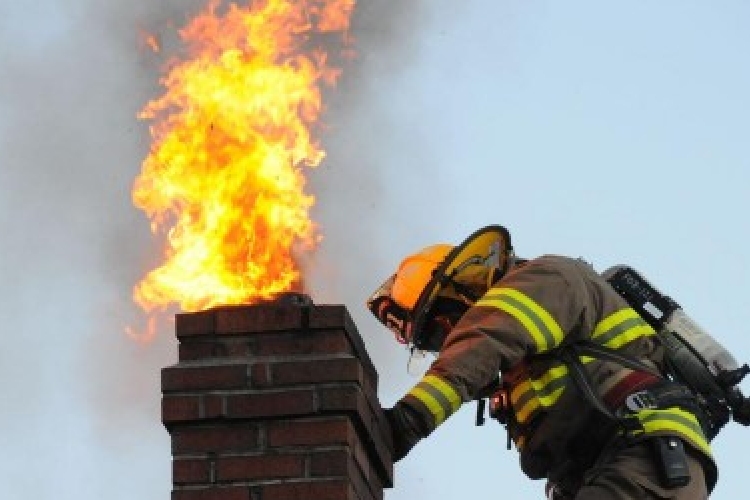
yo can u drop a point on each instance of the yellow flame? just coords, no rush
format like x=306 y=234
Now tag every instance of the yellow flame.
x=224 y=180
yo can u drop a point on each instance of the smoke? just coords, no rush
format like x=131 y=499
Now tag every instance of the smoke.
x=81 y=400
x=376 y=174
x=75 y=73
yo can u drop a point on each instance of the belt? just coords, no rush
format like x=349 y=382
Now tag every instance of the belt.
x=640 y=391
x=632 y=383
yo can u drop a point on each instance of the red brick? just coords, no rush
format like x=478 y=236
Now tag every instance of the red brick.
x=190 y=471
x=213 y=406
x=310 y=432
x=190 y=378
x=282 y=343
x=179 y=408
x=270 y=404
x=238 y=348
x=257 y=319
x=338 y=317
x=192 y=351
x=260 y=467
x=308 y=490
x=224 y=438
x=351 y=398
x=214 y=493
x=306 y=342
x=191 y=324
x=340 y=463
x=333 y=463
x=259 y=375
x=329 y=316
x=217 y=348
x=316 y=371
x=347 y=397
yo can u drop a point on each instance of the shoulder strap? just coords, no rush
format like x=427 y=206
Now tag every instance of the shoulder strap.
x=570 y=356
x=589 y=348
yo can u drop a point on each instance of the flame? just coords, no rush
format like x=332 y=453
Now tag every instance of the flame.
x=224 y=181
x=150 y=41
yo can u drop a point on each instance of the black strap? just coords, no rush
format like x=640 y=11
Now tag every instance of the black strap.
x=481 y=405
x=673 y=394
x=588 y=348
x=570 y=355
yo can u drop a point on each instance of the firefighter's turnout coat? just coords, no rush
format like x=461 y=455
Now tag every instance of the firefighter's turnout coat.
x=542 y=305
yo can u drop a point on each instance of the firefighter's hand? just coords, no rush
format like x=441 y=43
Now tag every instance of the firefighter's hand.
x=403 y=430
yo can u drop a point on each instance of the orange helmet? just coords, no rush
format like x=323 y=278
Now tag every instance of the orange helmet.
x=415 y=272
x=405 y=301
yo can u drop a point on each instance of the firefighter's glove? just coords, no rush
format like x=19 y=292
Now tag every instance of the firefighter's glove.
x=405 y=429
x=556 y=492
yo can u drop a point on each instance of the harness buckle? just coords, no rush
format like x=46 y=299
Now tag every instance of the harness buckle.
x=500 y=406
x=641 y=400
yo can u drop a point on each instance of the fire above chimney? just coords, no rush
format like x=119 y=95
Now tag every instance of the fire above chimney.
x=274 y=401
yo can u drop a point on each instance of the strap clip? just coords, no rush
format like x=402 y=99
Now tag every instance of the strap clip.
x=641 y=400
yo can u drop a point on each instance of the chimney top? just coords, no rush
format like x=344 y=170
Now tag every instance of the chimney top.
x=275 y=400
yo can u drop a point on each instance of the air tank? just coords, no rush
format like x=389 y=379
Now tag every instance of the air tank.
x=696 y=356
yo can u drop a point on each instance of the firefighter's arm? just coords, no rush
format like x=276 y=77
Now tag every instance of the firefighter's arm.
x=529 y=312
x=427 y=405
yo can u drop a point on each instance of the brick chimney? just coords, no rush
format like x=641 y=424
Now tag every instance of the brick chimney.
x=276 y=401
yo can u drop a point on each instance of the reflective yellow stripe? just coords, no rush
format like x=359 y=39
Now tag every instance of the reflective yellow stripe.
x=522 y=414
x=438 y=396
x=524 y=400
x=613 y=320
x=620 y=328
x=543 y=391
x=520 y=391
x=432 y=404
x=675 y=420
x=554 y=373
x=446 y=389
x=528 y=395
x=542 y=327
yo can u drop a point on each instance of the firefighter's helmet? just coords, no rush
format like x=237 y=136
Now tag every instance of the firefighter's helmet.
x=440 y=277
x=415 y=272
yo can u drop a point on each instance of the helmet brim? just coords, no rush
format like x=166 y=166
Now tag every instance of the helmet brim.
x=490 y=246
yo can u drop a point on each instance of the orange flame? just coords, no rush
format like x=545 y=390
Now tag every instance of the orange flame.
x=224 y=180
x=150 y=42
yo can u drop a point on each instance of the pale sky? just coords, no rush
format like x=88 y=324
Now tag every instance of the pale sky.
x=614 y=131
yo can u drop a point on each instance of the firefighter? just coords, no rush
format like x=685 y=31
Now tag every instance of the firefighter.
x=520 y=332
